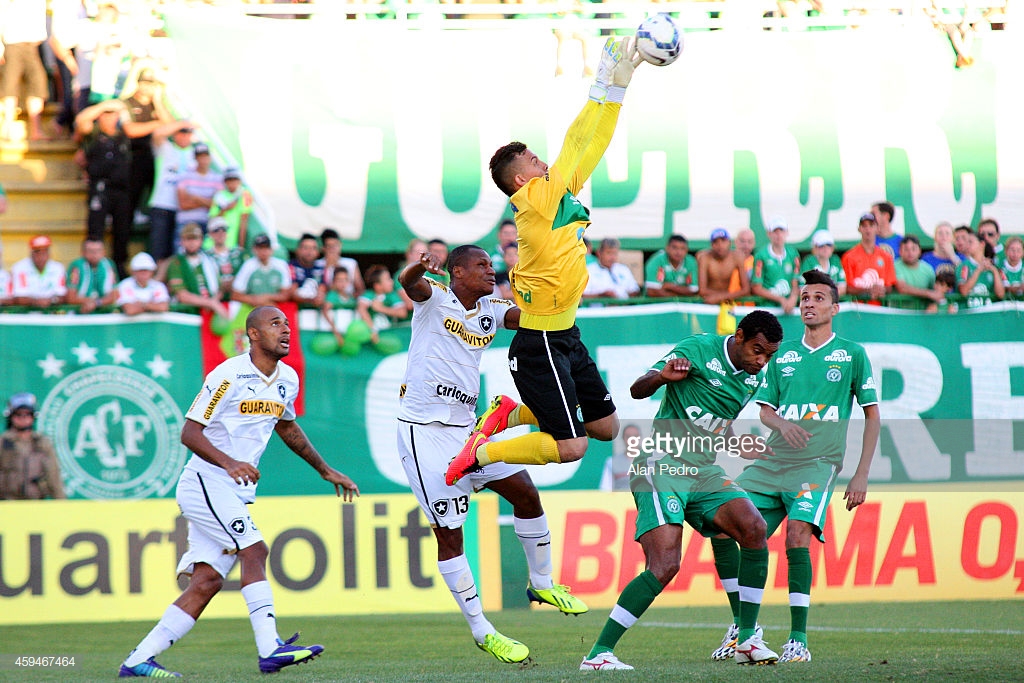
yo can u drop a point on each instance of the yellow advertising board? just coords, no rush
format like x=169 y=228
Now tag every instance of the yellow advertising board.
x=74 y=561
x=931 y=545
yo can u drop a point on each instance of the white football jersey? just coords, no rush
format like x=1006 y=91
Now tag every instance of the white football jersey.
x=442 y=378
x=239 y=406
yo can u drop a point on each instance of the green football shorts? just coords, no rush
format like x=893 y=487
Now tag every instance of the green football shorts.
x=801 y=491
x=693 y=498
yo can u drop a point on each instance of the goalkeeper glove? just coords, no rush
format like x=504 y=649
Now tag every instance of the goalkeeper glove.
x=610 y=57
x=622 y=72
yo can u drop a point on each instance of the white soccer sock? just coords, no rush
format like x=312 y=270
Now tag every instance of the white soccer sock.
x=536 y=540
x=260 y=601
x=171 y=628
x=460 y=582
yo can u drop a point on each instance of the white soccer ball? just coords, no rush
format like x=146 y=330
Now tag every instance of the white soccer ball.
x=658 y=40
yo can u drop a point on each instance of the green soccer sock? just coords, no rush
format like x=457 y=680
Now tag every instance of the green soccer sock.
x=752 y=576
x=800 y=574
x=636 y=597
x=727 y=563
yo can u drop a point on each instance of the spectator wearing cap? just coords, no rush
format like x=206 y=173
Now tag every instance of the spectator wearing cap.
x=193 y=278
x=108 y=162
x=671 y=271
x=332 y=244
x=146 y=113
x=228 y=259
x=884 y=212
x=823 y=258
x=715 y=269
x=172 y=145
x=92 y=277
x=943 y=256
x=263 y=280
x=608 y=277
x=914 y=277
x=196 y=190
x=777 y=269
x=234 y=203
x=869 y=269
x=307 y=272
x=29 y=469
x=140 y=292
x=37 y=280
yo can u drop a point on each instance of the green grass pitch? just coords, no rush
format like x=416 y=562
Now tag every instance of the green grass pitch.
x=949 y=641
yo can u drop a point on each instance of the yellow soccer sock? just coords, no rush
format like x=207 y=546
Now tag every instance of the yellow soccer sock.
x=535 y=448
x=521 y=415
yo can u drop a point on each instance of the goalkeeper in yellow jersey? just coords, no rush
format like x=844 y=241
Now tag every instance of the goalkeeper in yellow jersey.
x=561 y=389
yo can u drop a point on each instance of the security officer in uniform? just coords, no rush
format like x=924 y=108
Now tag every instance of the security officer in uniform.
x=28 y=461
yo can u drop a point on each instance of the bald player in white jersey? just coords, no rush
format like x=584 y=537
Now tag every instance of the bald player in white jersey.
x=243 y=401
x=451 y=328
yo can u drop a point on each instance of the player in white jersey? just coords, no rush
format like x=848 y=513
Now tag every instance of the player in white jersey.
x=451 y=328
x=227 y=428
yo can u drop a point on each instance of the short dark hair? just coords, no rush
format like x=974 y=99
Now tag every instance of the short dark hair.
x=308 y=236
x=374 y=273
x=761 y=322
x=329 y=234
x=887 y=208
x=501 y=166
x=964 y=228
x=459 y=255
x=910 y=238
x=677 y=238
x=991 y=221
x=946 y=277
x=817 y=277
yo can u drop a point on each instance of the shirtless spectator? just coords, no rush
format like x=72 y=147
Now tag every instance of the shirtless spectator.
x=716 y=267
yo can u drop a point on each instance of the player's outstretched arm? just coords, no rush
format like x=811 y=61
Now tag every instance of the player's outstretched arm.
x=412 y=280
x=675 y=370
x=293 y=436
x=857 y=488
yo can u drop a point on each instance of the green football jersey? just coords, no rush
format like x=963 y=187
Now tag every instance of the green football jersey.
x=775 y=274
x=834 y=269
x=698 y=410
x=660 y=271
x=816 y=388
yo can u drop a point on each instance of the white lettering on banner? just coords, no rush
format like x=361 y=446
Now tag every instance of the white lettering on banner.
x=992 y=401
x=1009 y=102
x=922 y=386
x=919 y=369
x=908 y=120
x=346 y=151
x=382 y=403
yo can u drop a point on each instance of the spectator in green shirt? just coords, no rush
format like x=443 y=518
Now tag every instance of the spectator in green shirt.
x=671 y=271
x=823 y=258
x=914 y=277
x=92 y=278
x=193 y=277
x=380 y=305
x=777 y=269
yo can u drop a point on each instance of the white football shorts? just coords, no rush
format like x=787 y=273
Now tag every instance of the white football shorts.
x=426 y=451
x=219 y=524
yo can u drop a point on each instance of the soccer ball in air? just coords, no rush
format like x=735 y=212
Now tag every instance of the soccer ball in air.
x=658 y=40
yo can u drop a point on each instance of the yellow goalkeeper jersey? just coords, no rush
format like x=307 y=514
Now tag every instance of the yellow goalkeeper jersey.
x=552 y=271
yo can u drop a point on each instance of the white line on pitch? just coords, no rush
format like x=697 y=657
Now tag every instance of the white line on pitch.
x=845 y=629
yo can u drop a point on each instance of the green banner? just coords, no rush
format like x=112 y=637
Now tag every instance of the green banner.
x=747 y=125
x=113 y=392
